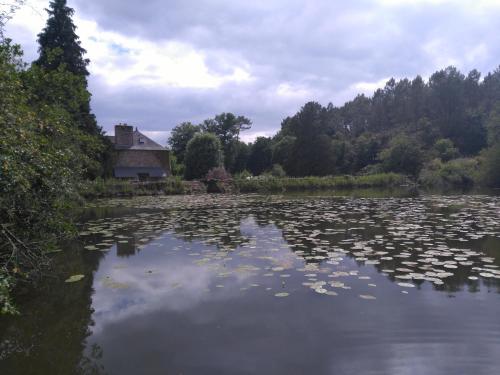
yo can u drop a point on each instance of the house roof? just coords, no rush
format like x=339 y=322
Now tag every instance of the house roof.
x=140 y=142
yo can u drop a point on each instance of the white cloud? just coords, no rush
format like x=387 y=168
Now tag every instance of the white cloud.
x=288 y=90
x=123 y=60
x=368 y=88
x=439 y=53
x=250 y=136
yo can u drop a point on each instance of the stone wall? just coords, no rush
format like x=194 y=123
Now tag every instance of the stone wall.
x=143 y=158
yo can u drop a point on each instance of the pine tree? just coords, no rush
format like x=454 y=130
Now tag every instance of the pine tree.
x=60 y=49
x=59 y=43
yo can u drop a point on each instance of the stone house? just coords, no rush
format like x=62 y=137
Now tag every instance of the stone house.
x=137 y=156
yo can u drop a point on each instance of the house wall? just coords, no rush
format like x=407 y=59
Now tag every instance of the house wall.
x=137 y=159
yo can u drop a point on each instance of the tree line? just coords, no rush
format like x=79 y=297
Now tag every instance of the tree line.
x=444 y=130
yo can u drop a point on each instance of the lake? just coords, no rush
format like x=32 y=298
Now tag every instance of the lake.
x=249 y=284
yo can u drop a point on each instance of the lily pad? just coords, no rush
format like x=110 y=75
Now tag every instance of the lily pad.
x=282 y=294
x=74 y=278
x=367 y=296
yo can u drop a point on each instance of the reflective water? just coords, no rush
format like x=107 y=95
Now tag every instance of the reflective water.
x=269 y=285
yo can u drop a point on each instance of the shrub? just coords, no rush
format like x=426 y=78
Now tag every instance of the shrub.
x=219 y=174
x=277 y=171
x=457 y=173
x=445 y=149
x=490 y=166
x=100 y=188
x=245 y=174
x=402 y=156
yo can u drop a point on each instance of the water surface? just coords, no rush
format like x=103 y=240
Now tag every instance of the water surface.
x=269 y=285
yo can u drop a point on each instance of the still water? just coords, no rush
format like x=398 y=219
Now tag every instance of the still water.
x=268 y=285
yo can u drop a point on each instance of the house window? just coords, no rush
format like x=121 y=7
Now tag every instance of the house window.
x=141 y=140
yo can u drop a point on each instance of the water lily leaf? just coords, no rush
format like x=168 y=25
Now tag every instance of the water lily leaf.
x=367 y=296
x=74 y=278
x=282 y=294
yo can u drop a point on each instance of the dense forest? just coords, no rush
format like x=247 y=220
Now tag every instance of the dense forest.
x=442 y=132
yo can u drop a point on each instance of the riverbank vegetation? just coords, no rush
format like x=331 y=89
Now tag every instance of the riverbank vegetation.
x=111 y=187
x=49 y=142
x=271 y=184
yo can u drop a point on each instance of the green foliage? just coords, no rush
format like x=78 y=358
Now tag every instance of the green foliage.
x=290 y=184
x=179 y=138
x=493 y=125
x=457 y=173
x=176 y=168
x=402 y=156
x=49 y=141
x=277 y=171
x=66 y=91
x=312 y=152
x=41 y=161
x=60 y=77
x=103 y=188
x=365 y=150
x=202 y=154
x=260 y=157
x=227 y=128
x=245 y=174
x=445 y=149
x=490 y=166
x=241 y=153
x=282 y=151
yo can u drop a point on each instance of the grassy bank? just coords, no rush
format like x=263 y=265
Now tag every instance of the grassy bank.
x=291 y=184
x=123 y=188
x=101 y=188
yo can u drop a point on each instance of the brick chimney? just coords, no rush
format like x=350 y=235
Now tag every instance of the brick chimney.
x=124 y=135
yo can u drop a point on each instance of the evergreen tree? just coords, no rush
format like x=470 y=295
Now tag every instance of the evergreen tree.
x=59 y=35
x=59 y=50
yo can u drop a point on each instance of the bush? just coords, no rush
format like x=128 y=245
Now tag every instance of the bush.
x=277 y=171
x=245 y=174
x=490 y=166
x=402 y=156
x=219 y=174
x=100 y=188
x=457 y=173
x=445 y=149
x=203 y=153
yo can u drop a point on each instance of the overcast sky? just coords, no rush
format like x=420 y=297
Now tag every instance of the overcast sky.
x=156 y=63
